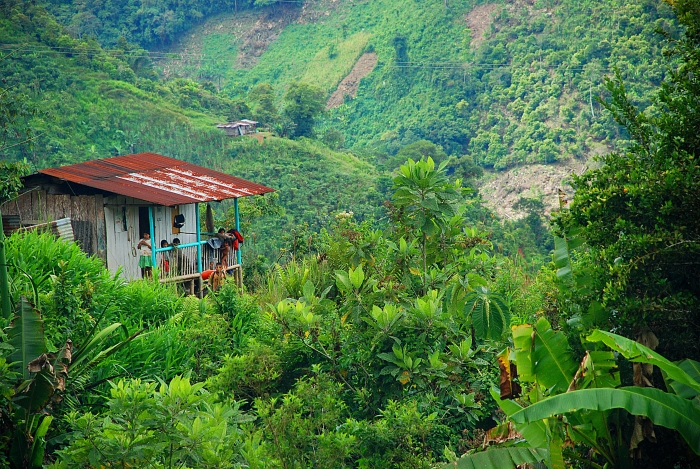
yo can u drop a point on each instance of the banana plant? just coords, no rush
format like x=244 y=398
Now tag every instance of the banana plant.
x=571 y=405
x=47 y=378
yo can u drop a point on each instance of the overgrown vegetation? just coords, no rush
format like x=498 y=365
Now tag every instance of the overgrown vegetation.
x=382 y=344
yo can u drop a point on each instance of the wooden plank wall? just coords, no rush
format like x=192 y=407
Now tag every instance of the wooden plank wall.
x=86 y=214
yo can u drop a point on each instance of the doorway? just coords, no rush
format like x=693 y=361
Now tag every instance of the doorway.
x=144 y=223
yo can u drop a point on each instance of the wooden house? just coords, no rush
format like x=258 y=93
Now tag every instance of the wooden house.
x=112 y=202
x=238 y=128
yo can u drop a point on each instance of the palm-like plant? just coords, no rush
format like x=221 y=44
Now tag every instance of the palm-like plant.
x=489 y=312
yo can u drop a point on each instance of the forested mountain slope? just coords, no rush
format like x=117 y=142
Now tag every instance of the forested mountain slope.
x=504 y=83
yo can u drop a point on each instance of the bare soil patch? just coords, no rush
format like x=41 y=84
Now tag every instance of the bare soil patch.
x=256 y=40
x=479 y=20
x=348 y=86
x=501 y=190
x=253 y=31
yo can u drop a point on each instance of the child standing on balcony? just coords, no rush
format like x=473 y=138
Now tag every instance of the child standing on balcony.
x=164 y=258
x=145 y=261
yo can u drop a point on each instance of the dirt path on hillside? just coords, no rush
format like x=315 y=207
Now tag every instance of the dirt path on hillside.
x=501 y=190
x=348 y=86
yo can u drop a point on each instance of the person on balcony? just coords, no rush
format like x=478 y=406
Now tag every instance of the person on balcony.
x=145 y=261
x=164 y=263
x=225 y=248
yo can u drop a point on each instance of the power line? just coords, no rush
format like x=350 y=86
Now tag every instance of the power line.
x=202 y=58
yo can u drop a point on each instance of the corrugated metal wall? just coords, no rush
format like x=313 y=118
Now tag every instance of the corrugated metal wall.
x=123 y=233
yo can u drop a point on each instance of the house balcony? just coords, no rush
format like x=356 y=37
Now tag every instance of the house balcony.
x=192 y=263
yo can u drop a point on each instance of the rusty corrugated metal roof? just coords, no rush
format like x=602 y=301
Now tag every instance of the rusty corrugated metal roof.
x=157 y=179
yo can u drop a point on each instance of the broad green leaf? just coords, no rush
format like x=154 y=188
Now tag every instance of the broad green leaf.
x=636 y=352
x=500 y=458
x=36 y=392
x=561 y=259
x=523 y=342
x=26 y=335
x=535 y=432
x=39 y=444
x=490 y=315
x=357 y=276
x=596 y=314
x=343 y=281
x=600 y=370
x=692 y=368
x=664 y=409
x=556 y=458
x=554 y=366
x=308 y=289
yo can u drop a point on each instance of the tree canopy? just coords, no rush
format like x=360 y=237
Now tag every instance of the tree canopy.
x=303 y=102
x=638 y=211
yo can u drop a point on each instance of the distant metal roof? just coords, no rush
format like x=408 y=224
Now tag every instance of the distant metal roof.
x=240 y=123
x=157 y=179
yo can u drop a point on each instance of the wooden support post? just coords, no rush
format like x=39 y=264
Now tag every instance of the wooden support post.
x=199 y=238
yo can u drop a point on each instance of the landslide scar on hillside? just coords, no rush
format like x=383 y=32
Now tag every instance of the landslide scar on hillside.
x=478 y=21
x=348 y=86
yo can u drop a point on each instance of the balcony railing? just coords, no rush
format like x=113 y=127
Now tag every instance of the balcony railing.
x=186 y=262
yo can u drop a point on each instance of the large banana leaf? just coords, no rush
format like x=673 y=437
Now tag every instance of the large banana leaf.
x=26 y=336
x=692 y=368
x=664 y=409
x=535 y=432
x=636 y=352
x=500 y=458
x=544 y=358
x=523 y=342
x=562 y=261
x=598 y=369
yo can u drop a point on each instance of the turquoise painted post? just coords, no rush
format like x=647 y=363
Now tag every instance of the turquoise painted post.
x=152 y=230
x=238 y=228
x=199 y=238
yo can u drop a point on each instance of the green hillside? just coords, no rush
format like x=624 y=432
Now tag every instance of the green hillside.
x=521 y=87
x=86 y=102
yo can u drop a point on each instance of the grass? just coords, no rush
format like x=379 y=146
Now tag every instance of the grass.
x=332 y=63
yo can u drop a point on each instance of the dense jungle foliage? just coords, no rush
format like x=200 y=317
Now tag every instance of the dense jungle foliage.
x=154 y=23
x=413 y=341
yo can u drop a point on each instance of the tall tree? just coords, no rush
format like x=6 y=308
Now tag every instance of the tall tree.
x=262 y=99
x=302 y=104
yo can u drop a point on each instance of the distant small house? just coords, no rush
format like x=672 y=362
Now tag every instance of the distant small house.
x=241 y=127
x=112 y=202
